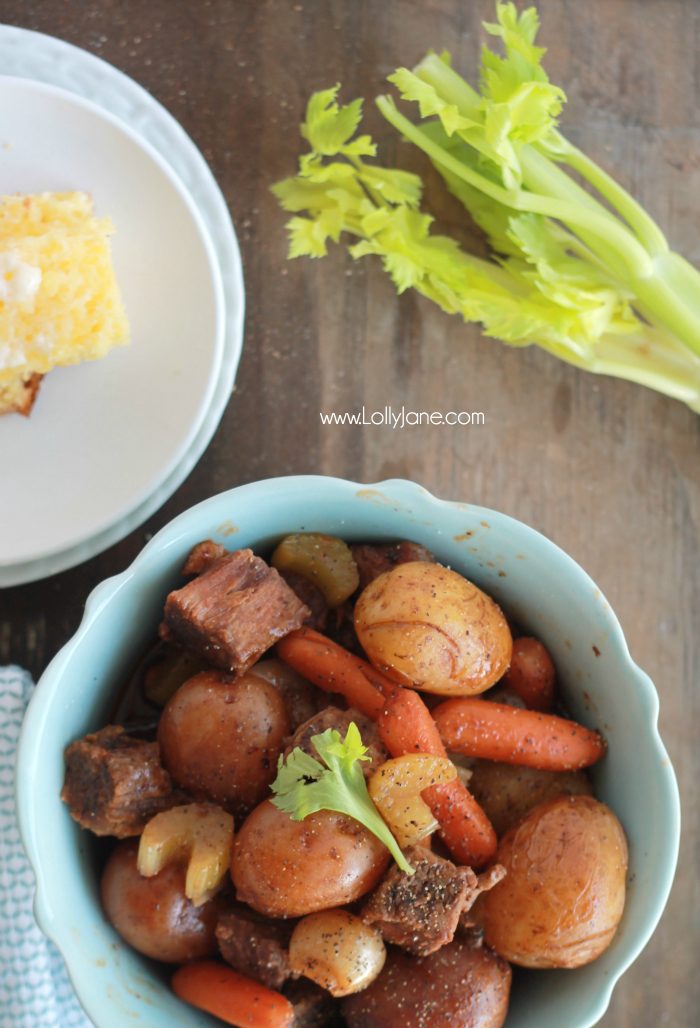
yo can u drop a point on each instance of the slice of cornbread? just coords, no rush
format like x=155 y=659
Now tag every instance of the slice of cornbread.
x=59 y=299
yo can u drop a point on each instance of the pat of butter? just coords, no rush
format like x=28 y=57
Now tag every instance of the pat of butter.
x=19 y=281
x=10 y=357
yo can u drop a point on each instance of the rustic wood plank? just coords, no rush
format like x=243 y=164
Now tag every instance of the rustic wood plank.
x=608 y=470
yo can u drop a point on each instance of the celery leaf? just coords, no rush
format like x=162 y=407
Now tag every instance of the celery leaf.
x=305 y=786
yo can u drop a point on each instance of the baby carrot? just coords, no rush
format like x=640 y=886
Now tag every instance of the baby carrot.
x=496 y=731
x=334 y=669
x=464 y=827
x=406 y=726
x=232 y=997
x=531 y=674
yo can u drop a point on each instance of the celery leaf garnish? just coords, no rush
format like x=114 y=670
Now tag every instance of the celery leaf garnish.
x=304 y=785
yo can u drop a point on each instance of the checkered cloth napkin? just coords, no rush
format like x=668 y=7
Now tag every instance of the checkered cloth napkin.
x=35 y=991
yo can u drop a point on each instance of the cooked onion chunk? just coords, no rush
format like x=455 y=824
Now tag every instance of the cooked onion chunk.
x=337 y=951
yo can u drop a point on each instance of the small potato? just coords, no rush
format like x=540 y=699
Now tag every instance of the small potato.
x=153 y=914
x=506 y=792
x=429 y=628
x=300 y=697
x=220 y=739
x=531 y=674
x=336 y=950
x=457 y=986
x=285 y=868
x=562 y=898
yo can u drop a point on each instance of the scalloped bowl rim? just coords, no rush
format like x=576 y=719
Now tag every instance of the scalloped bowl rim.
x=400 y=491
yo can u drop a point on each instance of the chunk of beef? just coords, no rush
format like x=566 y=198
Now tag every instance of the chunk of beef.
x=333 y=717
x=115 y=784
x=202 y=556
x=373 y=561
x=485 y=881
x=420 y=912
x=255 y=946
x=313 y=1006
x=234 y=611
x=310 y=595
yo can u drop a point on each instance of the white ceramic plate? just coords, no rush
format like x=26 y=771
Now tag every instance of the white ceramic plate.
x=108 y=442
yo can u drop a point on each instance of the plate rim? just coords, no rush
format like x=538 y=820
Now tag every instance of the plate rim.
x=46 y=60
x=214 y=276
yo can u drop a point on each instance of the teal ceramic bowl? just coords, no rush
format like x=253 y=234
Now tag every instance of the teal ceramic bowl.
x=537 y=584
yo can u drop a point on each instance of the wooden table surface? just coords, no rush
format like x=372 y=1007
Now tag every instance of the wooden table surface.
x=608 y=470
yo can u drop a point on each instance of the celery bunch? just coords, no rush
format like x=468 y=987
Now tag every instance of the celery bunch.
x=584 y=273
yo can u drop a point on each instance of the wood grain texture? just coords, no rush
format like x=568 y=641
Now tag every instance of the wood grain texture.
x=608 y=470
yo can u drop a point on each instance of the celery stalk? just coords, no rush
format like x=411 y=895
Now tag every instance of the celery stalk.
x=666 y=286
x=581 y=270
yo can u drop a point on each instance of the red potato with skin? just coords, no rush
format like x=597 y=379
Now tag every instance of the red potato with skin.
x=428 y=628
x=300 y=697
x=531 y=674
x=153 y=914
x=455 y=987
x=507 y=792
x=563 y=894
x=220 y=739
x=286 y=868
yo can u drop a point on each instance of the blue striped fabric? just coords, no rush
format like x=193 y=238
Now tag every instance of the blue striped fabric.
x=35 y=991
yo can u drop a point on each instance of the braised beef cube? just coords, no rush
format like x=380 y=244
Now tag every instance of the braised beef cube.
x=313 y=1006
x=373 y=561
x=312 y=596
x=420 y=912
x=115 y=784
x=234 y=611
x=202 y=556
x=254 y=946
x=333 y=717
x=485 y=881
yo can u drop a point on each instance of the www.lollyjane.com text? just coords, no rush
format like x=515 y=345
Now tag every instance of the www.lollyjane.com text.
x=402 y=418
